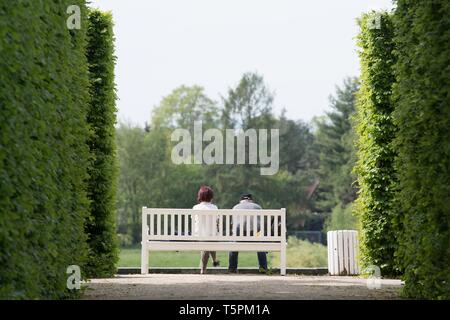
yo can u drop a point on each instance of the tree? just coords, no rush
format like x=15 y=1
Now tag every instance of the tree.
x=296 y=145
x=334 y=145
x=142 y=158
x=248 y=105
x=182 y=107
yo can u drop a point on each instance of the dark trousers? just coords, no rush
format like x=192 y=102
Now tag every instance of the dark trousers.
x=204 y=257
x=233 y=260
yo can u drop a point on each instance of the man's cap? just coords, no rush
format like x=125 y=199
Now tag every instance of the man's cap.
x=247 y=196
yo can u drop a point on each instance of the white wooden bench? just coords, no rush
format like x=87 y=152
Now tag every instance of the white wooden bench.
x=173 y=230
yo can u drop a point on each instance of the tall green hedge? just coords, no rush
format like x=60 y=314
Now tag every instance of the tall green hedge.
x=102 y=185
x=422 y=116
x=374 y=125
x=43 y=150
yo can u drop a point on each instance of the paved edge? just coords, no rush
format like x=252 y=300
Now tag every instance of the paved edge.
x=274 y=271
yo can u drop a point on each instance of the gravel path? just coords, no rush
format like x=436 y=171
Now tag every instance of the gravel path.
x=237 y=287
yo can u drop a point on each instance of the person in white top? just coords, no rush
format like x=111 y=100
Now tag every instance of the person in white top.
x=205 y=226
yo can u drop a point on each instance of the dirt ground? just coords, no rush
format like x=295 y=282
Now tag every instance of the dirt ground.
x=238 y=287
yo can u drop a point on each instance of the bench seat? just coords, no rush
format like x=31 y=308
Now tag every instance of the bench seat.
x=212 y=246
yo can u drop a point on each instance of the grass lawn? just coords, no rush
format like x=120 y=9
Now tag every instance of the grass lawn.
x=131 y=257
x=299 y=254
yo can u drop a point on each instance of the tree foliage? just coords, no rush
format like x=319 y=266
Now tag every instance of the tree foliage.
x=375 y=166
x=102 y=184
x=184 y=106
x=422 y=117
x=249 y=104
x=342 y=218
x=334 y=145
x=43 y=150
x=149 y=178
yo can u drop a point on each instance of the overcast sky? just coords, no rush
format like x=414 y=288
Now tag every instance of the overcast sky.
x=302 y=48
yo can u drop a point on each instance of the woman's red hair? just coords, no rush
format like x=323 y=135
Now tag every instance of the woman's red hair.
x=205 y=194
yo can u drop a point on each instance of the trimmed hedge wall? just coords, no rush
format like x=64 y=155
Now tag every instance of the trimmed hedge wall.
x=374 y=125
x=422 y=116
x=43 y=151
x=102 y=188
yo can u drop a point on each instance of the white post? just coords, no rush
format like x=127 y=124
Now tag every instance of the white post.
x=144 y=249
x=283 y=242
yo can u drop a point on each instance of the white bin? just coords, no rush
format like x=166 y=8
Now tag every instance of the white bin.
x=342 y=252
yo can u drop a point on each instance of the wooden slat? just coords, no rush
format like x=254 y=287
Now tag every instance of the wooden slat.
x=166 y=224
x=194 y=226
x=268 y=226
x=255 y=226
x=351 y=251
x=172 y=224
x=213 y=246
x=275 y=226
x=241 y=225
x=346 y=267
x=335 y=255
x=222 y=211
x=330 y=252
x=283 y=260
x=144 y=243
x=158 y=224
x=202 y=221
x=247 y=222
x=227 y=225
x=340 y=251
x=179 y=221
x=216 y=238
x=152 y=224
x=356 y=246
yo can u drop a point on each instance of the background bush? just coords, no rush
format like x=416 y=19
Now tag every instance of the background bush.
x=342 y=218
x=422 y=115
x=302 y=253
x=43 y=150
x=102 y=184
x=374 y=126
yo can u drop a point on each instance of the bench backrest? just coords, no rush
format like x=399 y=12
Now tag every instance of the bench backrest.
x=183 y=224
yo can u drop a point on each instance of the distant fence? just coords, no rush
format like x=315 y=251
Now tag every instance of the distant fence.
x=311 y=236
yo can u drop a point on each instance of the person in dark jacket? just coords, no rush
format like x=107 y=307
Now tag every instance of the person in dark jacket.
x=247 y=202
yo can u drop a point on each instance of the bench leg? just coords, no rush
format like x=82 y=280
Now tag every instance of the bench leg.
x=283 y=260
x=144 y=259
